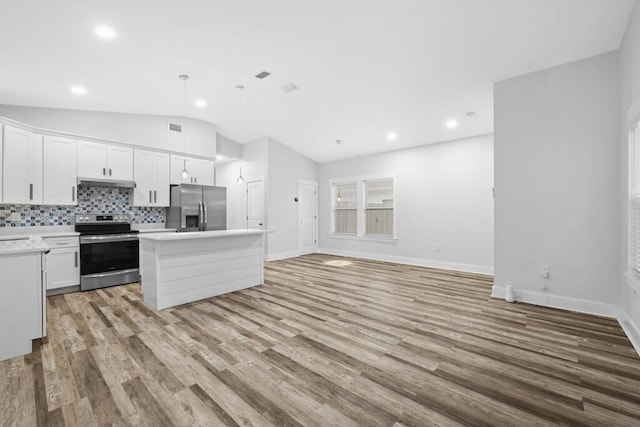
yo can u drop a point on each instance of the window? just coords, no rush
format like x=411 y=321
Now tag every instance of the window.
x=345 y=212
x=379 y=207
x=364 y=207
x=634 y=235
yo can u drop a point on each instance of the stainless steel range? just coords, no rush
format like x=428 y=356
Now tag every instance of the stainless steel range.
x=109 y=252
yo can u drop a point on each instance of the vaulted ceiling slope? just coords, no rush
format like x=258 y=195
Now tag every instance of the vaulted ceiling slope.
x=364 y=68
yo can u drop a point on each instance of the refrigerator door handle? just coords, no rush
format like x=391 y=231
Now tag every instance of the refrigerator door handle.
x=204 y=225
x=201 y=215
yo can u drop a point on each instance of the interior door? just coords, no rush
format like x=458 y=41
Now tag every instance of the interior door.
x=256 y=208
x=307 y=216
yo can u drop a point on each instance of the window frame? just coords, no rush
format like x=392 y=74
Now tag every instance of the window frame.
x=361 y=207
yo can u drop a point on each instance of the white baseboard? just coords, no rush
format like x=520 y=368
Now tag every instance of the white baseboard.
x=469 y=268
x=561 y=302
x=630 y=328
x=282 y=255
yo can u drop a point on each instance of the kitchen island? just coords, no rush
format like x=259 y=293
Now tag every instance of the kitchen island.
x=178 y=268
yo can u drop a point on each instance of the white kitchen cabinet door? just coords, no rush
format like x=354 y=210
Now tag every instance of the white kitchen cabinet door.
x=177 y=165
x=201 y=171
x=151 y=175
x=63 y=267
x=162 y=177
x=59 y=171
x=143 y=176
x=92 y=160
x=22 y=166
x=120 y=163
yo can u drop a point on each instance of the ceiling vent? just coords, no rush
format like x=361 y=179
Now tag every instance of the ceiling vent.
x=174 y=127
x=262 y=75
x=290 y=87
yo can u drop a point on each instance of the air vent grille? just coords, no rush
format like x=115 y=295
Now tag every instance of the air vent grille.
x=262 y=75
x=290 y=87
x=174 y=127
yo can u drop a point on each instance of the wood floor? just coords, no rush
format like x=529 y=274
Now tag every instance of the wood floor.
x=320 y=344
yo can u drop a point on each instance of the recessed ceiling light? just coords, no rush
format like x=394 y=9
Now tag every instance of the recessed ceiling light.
x=471 y=114
x=78 y=90
x=451 y=124
x=105 y=32
x=338 y=141
x=261 y=75
x=391 y=136
x=201 y=103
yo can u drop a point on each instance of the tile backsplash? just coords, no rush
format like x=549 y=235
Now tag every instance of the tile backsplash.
x=90 y=200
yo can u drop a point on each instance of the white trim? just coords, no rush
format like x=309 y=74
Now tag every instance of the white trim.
x=284 y=255
x=630 y=329
x=561 y=302
x=469 y=268
x=347 y=236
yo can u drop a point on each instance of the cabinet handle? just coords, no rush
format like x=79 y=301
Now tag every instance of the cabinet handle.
x=155 y=196
x=30 y=191
x=76 y=258
x=195 y=179
x=149 y=196
x=104 y=171
x=73 y=194
x=191 y=179
x=109 y=171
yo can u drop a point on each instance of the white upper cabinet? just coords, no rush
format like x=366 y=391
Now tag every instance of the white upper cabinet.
x=104 y=161
x=120 y=163
x=200 y=171
x=22 y=166
x=60 y=177
x=151 y=173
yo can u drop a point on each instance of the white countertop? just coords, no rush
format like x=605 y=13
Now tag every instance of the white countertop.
x=24 y=245
x=156 y=230
x=199 y=234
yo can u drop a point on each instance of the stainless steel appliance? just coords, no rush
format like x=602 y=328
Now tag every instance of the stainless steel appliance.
x=109 y=250
x=197 y=208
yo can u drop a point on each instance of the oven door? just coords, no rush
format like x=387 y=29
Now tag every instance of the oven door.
x=107 y=260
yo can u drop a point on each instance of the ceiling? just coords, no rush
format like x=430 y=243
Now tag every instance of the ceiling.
x=364 y=67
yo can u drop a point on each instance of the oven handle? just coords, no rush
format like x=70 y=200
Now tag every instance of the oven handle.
x=111 y=273
x=108 y=238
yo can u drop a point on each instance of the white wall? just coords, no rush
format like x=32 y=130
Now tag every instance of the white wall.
x=254 y=165
x=444 y=197
x=629 y=63
x=286 y=167
x=557 y=185
x=280 y=167
x=138 y=129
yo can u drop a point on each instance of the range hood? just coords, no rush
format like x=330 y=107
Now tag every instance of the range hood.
x=97 y=182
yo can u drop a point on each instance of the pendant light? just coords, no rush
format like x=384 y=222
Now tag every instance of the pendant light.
x=240 y=89
x=339 y=196
x=185 y=172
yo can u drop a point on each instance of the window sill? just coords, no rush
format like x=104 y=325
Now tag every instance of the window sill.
x=366 y=238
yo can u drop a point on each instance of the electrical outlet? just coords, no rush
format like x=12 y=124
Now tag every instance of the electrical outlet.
x=15 y=216
x=544 y=272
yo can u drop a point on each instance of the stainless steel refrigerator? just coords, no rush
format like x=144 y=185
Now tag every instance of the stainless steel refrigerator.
x=197 y=208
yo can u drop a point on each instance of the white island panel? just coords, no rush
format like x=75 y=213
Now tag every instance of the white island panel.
x=193 y=266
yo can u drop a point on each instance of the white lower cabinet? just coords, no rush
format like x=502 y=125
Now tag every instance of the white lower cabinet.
x=63 y=262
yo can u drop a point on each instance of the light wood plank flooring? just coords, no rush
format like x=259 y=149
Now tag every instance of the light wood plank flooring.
x=320 y=344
